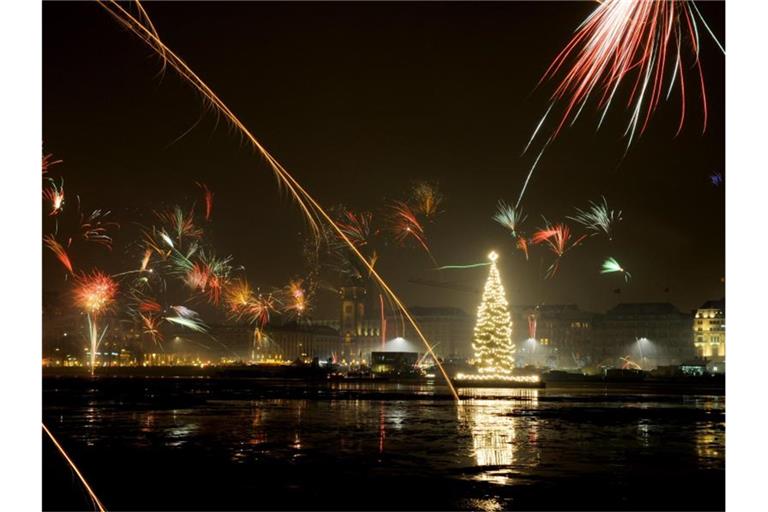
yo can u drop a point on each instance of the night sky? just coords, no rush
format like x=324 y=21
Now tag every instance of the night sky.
x=360 y=100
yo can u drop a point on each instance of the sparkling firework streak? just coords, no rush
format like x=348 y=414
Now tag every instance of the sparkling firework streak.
x=531 y=326
x=598 y=218
x=357 y=227
x=404 y=225
x=72 y=465
x=427 y=199
x=145 y=260
x=621 y=38
x=509 y=216
x=611 y=265
x=59 y=251
x=522 y=244
x=558 y=239
x=95 y=228
x=49 y=162
x=55 y=194
x=298 y=302
x=151 y=325
x=208 y=198
x=461 y=267
x=141 y=26
x=193 y=324
x=181 y=225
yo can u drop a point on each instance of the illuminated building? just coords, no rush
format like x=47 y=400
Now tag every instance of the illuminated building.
x=709 y=334
x=394 y=363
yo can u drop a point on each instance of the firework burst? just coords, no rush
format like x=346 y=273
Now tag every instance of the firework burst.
x=509 y=216
x=611 y=266
x=559 y=240
x=426 y=199
x=95 y=228
x=55 y=195
x=404 y=225
x=95 y=294
x=598 y=218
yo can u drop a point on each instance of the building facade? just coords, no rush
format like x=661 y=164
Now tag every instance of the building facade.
x=649 y=334
x=709 y=333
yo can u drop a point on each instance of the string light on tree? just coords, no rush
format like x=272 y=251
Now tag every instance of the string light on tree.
x=494 y=350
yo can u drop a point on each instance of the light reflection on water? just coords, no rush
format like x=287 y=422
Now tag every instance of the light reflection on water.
x=498 y=437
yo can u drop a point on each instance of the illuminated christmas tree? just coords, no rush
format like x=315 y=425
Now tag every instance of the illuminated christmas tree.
x=494 y=350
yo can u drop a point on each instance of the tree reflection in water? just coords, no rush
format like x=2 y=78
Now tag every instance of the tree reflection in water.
x=502 y=441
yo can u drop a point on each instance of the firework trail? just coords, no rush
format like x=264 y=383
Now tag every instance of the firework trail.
x=357 y=227
x=313 y=212
x=95 y=294
x=558 y=239
x=461 y=267
x=208 y=199
x=405 y=225
x=49 y=162
x=55 y=194
x=72 y=465
x=181 y=225
x=641 y=43
x=59 y=251
x=532 y=326
x=509 y=216
x=426 y=199
x=94 y=228
x=611 y=266
x=522 y=244
x=193 y=324
x=598 y=218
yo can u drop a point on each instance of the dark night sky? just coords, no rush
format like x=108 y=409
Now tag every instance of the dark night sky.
x=358 y=100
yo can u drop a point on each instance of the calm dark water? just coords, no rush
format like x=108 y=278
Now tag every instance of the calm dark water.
x=199 y=445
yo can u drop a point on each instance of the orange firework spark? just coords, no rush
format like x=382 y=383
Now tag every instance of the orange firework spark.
x=55 y=194
x=522 y=244
x=49 y=162
x=95 y=293
x=150 y=305
x=145 y=259
x=59 y=251
x=151 y=327
x=312 y=210
x=238 y=295
x=208 y=197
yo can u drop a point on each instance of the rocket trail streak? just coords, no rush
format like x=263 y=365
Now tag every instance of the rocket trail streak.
x=306 y=202
x=450 y=267
x=77 y=471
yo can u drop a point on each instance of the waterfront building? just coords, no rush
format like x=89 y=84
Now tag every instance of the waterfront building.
x=651 y=334
x=709 y=334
